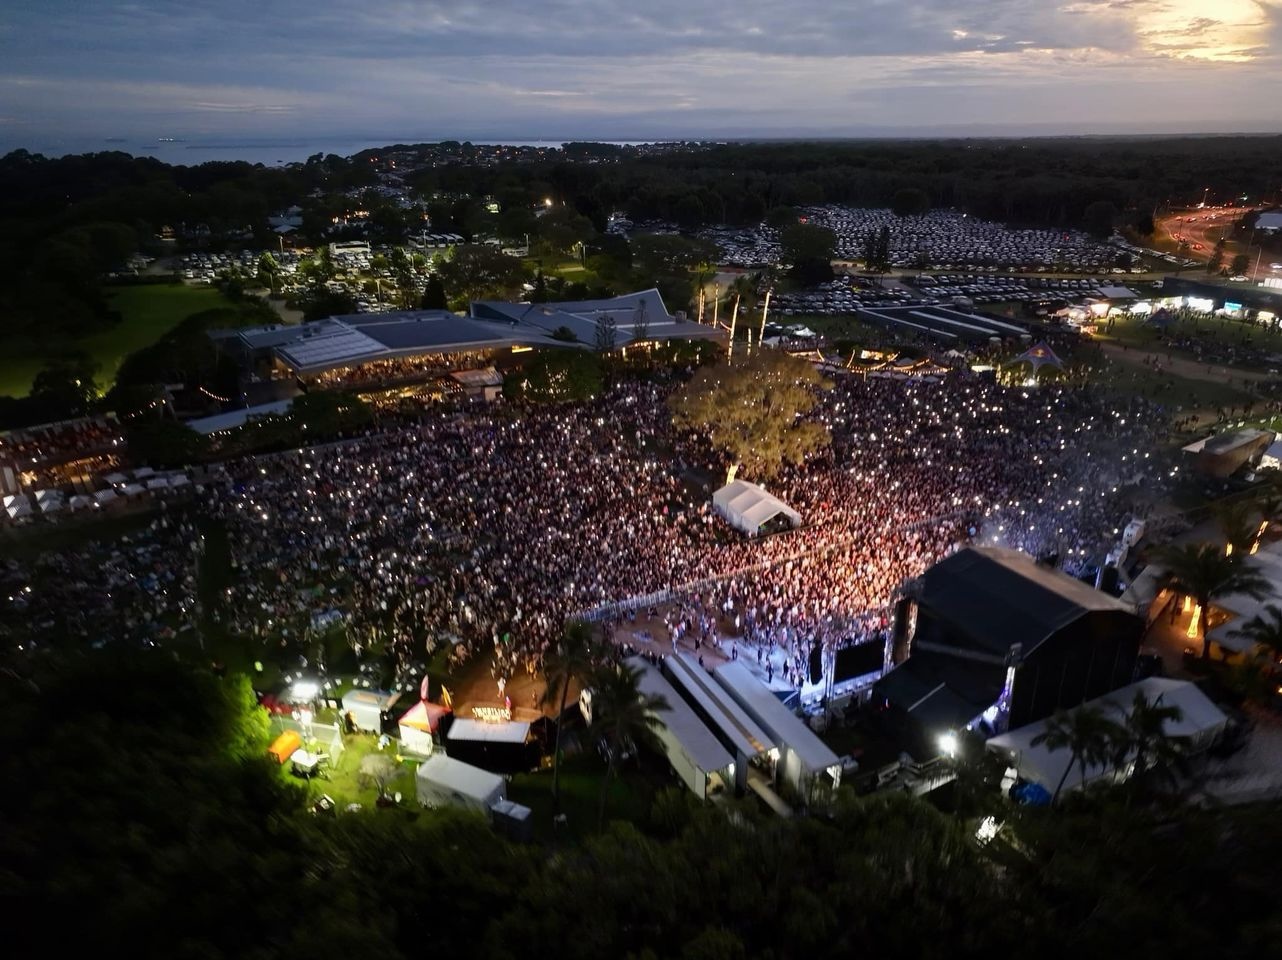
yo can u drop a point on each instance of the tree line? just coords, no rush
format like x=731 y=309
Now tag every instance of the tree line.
x=141 y=803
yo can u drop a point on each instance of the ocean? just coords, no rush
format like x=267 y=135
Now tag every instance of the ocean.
x=270 y=152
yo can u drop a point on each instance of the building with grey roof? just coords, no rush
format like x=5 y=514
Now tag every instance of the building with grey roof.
x=636 y=316
x=311 y=349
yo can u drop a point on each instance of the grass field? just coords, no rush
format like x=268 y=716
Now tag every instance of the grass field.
x=1135 y=332
x=629 y=796
x=147 y=313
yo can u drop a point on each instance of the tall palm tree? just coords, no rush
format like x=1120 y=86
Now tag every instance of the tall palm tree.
x=571 y=660
x=1268 y=495
x=745 y=287
x=1238 y=524
x=1203 y=572
x=1086 y=733
x=1153 y=752
x=1265 y=630
x=622 y=712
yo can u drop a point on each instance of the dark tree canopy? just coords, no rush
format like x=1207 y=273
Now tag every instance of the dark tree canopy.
x=753 y=410
x=481 y=272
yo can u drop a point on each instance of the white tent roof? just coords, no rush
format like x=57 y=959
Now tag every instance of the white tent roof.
x=1045 y=766
x=747 y=506
x=460 y=777
x=682 y=722
x=784 y=725
x=1268 y=563
x=718 y=706
x=467 y=729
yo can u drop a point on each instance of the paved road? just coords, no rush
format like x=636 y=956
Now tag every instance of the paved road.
x=1204 y=228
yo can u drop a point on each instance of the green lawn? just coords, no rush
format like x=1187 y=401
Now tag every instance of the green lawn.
x=630 y=796
x=147 y=313
x=1167 y=388
x=1135 y=332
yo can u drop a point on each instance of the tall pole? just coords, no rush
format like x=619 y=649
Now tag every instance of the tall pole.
x=734 y=318
x=716 y=303
x=765 y=309
x=702 y=298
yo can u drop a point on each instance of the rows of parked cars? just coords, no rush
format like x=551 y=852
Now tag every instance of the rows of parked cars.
x=985 y=289
x=841 y=296
x=203 y=267
x=939 y=240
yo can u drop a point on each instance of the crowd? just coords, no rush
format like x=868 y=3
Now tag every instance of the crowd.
x=399 y=368
x=60 y=442
x=139 y=588
x=481 y=532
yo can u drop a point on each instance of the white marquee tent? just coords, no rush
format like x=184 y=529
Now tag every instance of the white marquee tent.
x=746 y=506
x=1200 y=723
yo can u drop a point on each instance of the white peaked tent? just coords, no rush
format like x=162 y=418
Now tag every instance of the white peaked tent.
x=746 y=506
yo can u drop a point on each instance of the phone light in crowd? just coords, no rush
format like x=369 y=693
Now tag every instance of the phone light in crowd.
x=948 y=744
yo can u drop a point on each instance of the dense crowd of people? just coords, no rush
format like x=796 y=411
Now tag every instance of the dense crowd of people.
x=399 y=369
x=141 y=586
x=60 y=442
x=481 y=532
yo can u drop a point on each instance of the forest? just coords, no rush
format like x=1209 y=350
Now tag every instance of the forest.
x=69 y=225
x=141 y=811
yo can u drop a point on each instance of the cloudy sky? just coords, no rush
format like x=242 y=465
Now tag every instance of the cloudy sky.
x=627 y=69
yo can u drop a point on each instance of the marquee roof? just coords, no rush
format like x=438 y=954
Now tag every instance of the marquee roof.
x=747 y=506
x=1199 y=717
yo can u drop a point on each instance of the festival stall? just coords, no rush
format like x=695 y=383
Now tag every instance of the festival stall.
x=491 y=742
x=366 y=708
x=443 y=781
x=284 y=746
x=418 y=724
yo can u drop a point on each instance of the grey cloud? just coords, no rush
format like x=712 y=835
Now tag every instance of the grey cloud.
x=727 y=67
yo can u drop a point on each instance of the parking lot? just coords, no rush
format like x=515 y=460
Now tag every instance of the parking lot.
x=939 y=240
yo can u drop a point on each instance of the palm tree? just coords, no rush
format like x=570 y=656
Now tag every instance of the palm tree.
x=1268 y=496
x=1086 y=733
x=1237 y=523
x=571 y=661
x=1145 y=738
x=1203 y=572
x=621 y=712
x=1264 y=630
x=746 y=289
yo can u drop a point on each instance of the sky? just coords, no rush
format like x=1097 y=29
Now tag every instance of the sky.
x=635 y=69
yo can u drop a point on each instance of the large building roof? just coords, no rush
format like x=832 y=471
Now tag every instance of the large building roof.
x=342 y=341
x=782 y=725
x=681 y=721
x=998 y=597
x=736 y=727
x=644 y=308
x=942 y=692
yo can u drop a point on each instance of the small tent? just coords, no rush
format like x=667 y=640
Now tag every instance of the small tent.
x=748 y=507
x=418 y=724
x=367 y=708
x=443 y=781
